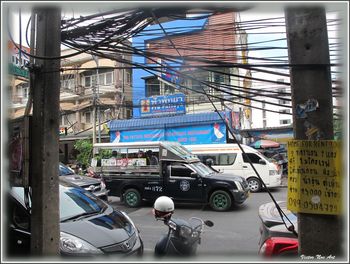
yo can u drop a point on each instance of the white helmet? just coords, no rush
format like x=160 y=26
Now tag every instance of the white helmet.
x=163 y=207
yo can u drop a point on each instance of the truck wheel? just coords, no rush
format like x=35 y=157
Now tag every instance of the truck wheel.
x=132 y=198
x=254 y=185
x=220 y=201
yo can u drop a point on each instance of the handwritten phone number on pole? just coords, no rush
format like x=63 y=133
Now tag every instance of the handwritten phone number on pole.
x=314 y=176
x=309 y=207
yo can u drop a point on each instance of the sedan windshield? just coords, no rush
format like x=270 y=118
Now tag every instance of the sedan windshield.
x=75 y=202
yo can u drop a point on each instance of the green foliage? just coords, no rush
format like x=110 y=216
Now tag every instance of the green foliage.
x=104 y=154
x=84 y=146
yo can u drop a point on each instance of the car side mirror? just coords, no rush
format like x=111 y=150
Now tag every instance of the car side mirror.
x=262 y=162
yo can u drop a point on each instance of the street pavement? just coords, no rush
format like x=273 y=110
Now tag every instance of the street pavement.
x=234 y=236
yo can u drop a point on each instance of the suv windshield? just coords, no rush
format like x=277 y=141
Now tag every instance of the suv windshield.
x=179 y=150
x=201 y=168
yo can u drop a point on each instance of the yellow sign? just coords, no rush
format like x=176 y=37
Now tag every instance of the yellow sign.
x=314 y=177
x=247 y=113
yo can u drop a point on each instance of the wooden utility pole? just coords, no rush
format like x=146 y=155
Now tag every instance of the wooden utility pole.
x=319 y=235
x=45 y=135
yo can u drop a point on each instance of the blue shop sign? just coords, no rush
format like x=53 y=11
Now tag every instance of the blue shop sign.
x=137 y=135
x=203 y=134
x=163 y=105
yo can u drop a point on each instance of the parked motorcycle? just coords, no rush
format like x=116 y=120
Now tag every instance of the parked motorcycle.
x=183 y=237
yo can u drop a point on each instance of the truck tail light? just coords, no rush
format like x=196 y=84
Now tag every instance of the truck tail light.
x=277 y=246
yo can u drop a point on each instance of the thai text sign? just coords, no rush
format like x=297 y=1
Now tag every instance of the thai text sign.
x=18 y=60
x=203 y=134
x=314 y=177
x=163 y=105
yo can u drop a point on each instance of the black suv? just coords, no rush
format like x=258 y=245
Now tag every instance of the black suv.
x=94 y=185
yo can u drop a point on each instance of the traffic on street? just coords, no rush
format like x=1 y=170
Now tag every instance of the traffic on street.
x=234 y=236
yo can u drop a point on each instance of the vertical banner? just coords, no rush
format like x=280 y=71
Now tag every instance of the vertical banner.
x=314 y=177
x=236 y=122
x=169 y=74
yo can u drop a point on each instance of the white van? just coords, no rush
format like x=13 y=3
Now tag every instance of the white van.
x=228 y=158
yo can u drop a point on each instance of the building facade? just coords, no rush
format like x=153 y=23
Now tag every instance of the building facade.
x=281 y=115
x=200 y=43
x=90 y=86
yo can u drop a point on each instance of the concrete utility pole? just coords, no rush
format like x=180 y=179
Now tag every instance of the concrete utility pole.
x=98 y=97
x=308 y=44
x=45 y=140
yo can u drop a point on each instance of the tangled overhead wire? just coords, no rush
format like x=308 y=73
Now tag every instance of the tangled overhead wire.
x=104 y=34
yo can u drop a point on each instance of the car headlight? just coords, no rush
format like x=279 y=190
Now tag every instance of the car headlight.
x=73 y=245
x=239 y=186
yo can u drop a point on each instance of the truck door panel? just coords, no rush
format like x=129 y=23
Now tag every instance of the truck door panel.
x=180 y=186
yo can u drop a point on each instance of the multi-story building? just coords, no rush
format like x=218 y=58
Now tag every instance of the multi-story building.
x=278 y=114
x=217 y=39
x=197 y=62
x=93 y=83
x=88 y=85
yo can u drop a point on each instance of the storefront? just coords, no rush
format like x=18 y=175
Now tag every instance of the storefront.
x=202 y=128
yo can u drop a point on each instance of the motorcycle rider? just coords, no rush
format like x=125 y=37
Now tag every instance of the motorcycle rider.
x=163 y=208
x=183 y=237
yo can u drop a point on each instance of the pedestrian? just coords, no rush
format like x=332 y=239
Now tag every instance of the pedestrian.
x=140 y=154
x=151 y=158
